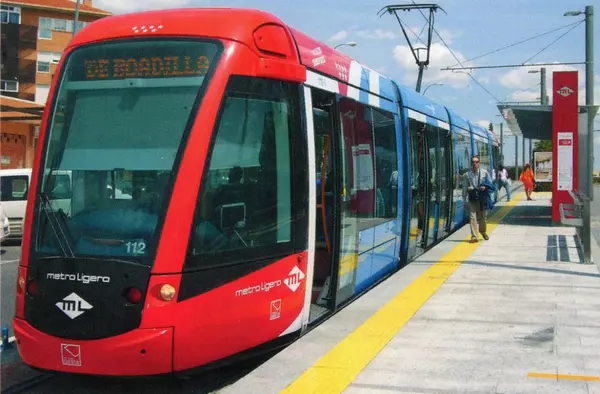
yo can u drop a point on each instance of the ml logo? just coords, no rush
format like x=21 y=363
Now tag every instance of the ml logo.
x=73 y=305
x=565 y=91
x=294 y=278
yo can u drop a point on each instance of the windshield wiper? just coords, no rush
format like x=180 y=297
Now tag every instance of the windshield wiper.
x=61 y=234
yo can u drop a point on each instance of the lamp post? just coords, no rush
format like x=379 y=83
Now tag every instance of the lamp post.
x=589 y=90
x=433 y=84
x=76 y=21
x=350 y=44
x=543 y=95
x=543 y=98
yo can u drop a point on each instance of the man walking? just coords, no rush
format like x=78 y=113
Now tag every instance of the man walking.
x=475 y=186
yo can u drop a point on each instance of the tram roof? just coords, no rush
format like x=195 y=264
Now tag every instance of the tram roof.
x=193 y=22
x=417 y=102
x=320 y=57
x=216 y=23
x=458 y=121
x=479 y=130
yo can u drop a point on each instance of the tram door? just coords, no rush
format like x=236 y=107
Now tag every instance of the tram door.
x=419 y=188
x=434 y=190
x=445 y=166
x=333 y=240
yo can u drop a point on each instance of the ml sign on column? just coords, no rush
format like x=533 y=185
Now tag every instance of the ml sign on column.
x=564 y=138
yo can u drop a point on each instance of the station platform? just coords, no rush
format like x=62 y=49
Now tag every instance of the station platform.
x=517 y=313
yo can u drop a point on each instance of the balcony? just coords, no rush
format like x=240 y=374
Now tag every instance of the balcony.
x=20 y=95
x=18 y=37
x=10 y=67
x=10 y=35
x=28 y=36
x=27 y=71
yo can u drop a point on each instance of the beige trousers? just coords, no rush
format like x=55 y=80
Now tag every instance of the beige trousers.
x=477 y=215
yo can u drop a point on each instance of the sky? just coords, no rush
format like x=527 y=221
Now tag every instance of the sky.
x=470 y=28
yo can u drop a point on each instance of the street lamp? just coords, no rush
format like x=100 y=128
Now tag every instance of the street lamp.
x=76 y=19
x=433 y=84
x=543 y=96
x=589 y=90
x=350 y=44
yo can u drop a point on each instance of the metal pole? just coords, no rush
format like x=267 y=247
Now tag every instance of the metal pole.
x=420 y=78
x=516 y=158
x=586 y=231
x=589 y=94
x=76 y=17
x=523 y=154
x=531 y=151
x=502 y=144
x=543 y=96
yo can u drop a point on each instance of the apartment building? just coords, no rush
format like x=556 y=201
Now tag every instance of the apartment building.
x=34 y=36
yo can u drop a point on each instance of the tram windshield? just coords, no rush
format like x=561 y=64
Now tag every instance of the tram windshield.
x=117 y=124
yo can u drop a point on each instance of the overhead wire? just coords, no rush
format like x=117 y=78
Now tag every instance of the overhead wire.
x=457 y=59
x=411 y=30
x=522 y=91
x=561 y=36
x=422 y=29
x=520 y=42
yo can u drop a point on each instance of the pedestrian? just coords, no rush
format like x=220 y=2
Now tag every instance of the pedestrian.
x=477 y=184
x=528 y=180
x=505 y=182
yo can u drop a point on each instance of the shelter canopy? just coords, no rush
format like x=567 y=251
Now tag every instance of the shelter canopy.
x=532 y=121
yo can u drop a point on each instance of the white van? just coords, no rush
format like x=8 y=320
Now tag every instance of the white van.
x=14 y=189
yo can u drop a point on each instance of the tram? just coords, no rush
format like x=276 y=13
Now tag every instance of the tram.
x=233 y=183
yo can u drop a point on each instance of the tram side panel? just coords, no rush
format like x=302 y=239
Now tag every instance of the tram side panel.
x=245 y=286
x=376 y=169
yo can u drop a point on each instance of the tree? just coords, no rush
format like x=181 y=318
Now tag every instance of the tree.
x=543 y=146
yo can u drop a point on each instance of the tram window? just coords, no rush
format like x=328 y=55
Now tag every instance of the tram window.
x=483 y=153
x=61 y=186
x=386 y=164
x=496 y=156
x=246 y=201
x=463 y=157
x=359 y=155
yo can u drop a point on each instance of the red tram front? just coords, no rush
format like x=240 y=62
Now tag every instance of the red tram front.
x=166 y=224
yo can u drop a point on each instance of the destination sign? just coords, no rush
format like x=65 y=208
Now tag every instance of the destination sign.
x=146 y=59
x=146 y=67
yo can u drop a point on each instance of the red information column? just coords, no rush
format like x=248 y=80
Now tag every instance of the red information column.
x=564 y=139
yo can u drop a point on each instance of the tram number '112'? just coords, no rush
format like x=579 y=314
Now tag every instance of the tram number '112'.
x=137 y=247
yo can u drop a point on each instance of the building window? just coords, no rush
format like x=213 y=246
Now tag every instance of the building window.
x=47 y=25
x=9 y=86
x=45 y=28
x=10 y=14
x=45 y=59
x=41 y=93
x=43 y=67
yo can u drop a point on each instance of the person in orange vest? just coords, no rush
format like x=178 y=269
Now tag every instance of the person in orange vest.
x=528 y=180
